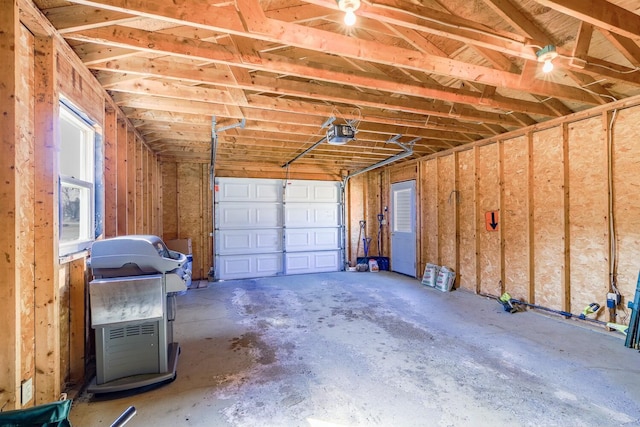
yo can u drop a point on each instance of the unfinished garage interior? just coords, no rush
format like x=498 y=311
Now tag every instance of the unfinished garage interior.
x=497 y=138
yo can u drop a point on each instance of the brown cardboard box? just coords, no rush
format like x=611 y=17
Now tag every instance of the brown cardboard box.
x=180 y=245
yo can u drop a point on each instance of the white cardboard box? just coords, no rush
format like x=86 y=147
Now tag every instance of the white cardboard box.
x=180 y=245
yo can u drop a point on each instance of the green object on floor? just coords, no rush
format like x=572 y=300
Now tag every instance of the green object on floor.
x=505 y=300
x=48 y=415
x=618 y=327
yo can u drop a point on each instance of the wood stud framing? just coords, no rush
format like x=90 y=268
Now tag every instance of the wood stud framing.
x=406 y=75
x=553 y=197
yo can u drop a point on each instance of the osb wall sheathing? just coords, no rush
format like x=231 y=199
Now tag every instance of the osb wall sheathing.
x=187 y=210
x=446 y=211
x=588 y=212
x=548 y=217
x=428 y=217
x=487 y=201
x=514 y=217
x=549 y=186
x=356 y=213
x=465 y=198
x=626 y=192
x=367 y=197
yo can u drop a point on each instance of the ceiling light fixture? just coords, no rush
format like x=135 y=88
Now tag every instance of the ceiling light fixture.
x=349 y=7
x=546 y=55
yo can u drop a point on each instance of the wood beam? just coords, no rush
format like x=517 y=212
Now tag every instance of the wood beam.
x=272 y=63
x=110 y=173
x=263 y=28
x=10 y=348
x=510 y=12
x=600 y=13
x=626 y=46
x=78 y=17
x=309 y=38
x=47 y=291
x=221 y=99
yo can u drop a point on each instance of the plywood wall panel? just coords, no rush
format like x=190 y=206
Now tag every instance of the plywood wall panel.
x=207 y=209
x=515 y=217
x=169 y=191
x=548 y=218
x=466 y=200
x=488 y=200
x=588 y=213
x=385 y=203
x=355 y=214
x=403 y=173
x=373 y=208
x=190 y=209
x=429 y=214
x=447 y=211
x=626 y=180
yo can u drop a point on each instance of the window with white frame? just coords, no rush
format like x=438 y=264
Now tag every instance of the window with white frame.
x=76 y=164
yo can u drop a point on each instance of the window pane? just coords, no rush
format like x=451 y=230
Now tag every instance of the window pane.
x=75 y=215
x=76 y=147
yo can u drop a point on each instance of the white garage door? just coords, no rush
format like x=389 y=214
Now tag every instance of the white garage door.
x=272 y=227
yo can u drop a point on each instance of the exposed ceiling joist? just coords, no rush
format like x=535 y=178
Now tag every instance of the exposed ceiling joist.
x=446 y=73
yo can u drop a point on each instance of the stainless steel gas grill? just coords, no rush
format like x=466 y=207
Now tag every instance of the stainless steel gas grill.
x=133 y=306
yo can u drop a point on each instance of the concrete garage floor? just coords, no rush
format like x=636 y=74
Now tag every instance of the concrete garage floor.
x=377 y=349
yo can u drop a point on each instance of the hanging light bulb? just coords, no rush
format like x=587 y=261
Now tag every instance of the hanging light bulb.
x=546 y=55
x=349 y=7
x=349 y=18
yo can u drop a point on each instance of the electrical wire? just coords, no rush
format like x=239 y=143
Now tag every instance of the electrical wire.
x=603 y=95
x=613 y=260
x=613 y=248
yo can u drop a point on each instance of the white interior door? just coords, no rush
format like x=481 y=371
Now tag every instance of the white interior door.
x=403 y=228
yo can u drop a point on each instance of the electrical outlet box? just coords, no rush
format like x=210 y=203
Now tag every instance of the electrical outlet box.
x=26 y=391
x=613 y=300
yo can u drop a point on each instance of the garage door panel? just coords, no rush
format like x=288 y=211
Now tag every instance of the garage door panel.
x=315 y=215
x=312 y=192
x=255 y=190
x=258 y=234
x=248 y=266
x=312 y=239
x=248 y=241
x=312 y=262
x=243 y=215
